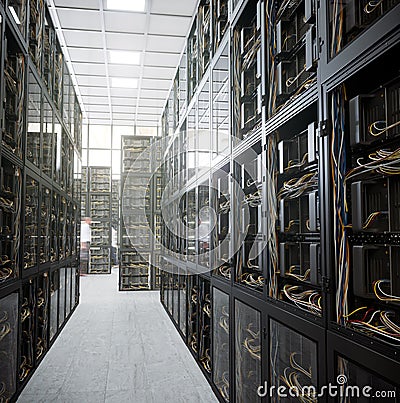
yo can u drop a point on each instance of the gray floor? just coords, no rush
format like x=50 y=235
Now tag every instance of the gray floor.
x=117 y=347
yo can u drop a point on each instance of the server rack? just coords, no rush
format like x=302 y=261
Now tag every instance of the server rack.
x=39 y=216
x=100 y=212
x=139 y=217
x=303 y=187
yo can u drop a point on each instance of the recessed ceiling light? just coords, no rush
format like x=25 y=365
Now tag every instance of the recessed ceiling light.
x=14 y=14
x=126 y=5
x=124 y=57
x=117 y=82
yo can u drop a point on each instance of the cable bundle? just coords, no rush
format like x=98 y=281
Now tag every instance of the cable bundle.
x=308 y=300
x=272 y=216
x=376 y=322
x=339 y=168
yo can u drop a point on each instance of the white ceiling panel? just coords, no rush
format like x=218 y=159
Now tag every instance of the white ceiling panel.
x=124 y=109
x=89 y=20
x=95 y=100
x=147 y=118
x=98 y=108
x=94 y=81
x=121 y=123
x=100 y=115
x=100 y=122
x=84 y=39
x=158 y=43
x=123 y=116
x=161 y=59
x=90 y=31
x=154 y=94
x=86 y=55
x=167 y=25
x=124 y=92
x=173 y=7
x=89 y=4
x=94 y=91
x=125 y=22
x=115 y=101
x=159 y=103
x=158 y=72
x=148 y=83
x=125 y=41
x=90 y=69
x=149 y=111
x=115 y=70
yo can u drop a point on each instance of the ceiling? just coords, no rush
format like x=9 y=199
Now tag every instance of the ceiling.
x=88 y=30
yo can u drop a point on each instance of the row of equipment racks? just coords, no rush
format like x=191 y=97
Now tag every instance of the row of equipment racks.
x=40 y=159
x=281 y=197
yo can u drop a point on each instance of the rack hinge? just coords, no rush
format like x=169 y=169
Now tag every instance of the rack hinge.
x=265 y=334
x=326 y=283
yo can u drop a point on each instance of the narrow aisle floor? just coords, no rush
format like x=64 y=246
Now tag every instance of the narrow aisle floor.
x=117 y=347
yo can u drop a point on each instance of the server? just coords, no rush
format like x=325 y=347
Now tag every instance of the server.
x=283 y=142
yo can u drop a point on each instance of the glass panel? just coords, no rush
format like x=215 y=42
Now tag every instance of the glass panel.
x=204 y=137
x=361 y=377
x=191 y=143
x=192 y=53
x=62 y=227
x=247 y=353
x=221 y=240
x=66 y=104
x=182 y=84
x=58 y=77
x=293 y=360
x=182 y=302
x=192 y=314
x=47 y=139
x=249 y=246
x=175 y=297
x=10 y=219
x=205 y=326
x=61 y=301
x=206 y=222
x=14 y=99
x=31 y=222
x=73 y=287
x=221 y=342
x=191 y=223
x=68 y=292
x=48 y=56
x=54 y=226
x=36 y=8
x=8 y=344
x=54 y=286
x=27 y=351
x=45 y=226
x=57 y=173
x=34 y=115
x=220 y=104
x=42 y=314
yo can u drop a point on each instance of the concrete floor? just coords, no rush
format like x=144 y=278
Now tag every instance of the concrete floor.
x=117 y=347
